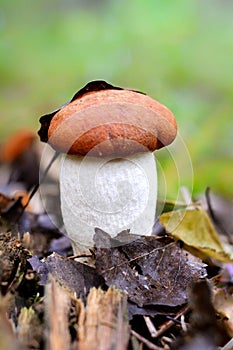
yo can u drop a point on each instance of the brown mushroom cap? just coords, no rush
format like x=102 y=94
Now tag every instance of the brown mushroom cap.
x=112 y=121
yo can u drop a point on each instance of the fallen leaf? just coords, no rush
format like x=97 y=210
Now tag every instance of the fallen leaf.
x=204 y=331
x=11 y=212
x=151 y=310
x=150 y=270
x=5 y=202
x=76 y=277
x=194 y=228
x=223 y=304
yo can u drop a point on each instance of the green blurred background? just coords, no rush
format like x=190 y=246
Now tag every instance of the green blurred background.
x=179 y=52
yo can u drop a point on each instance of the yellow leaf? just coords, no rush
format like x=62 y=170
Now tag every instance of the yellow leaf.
x=194 y=228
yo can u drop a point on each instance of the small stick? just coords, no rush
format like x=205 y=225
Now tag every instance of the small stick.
x=35 y=189
x=73 y=257
x=167 y=325
x=212 y=213
x=228 y=346
x=183 y=324
x=150 y=345
x=150 y=326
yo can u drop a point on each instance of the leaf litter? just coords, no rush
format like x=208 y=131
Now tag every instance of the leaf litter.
x=170 y=290
x=151 y=270
x=194 y=228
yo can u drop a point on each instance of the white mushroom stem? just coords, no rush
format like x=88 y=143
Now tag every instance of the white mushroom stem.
x=113 y=194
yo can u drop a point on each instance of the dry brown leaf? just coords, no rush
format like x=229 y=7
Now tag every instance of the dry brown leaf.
x=223 y=303
x=204 y=331
x=151 y=270
x=74 y=276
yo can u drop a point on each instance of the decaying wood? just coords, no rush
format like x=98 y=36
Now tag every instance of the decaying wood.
x=29 y=330
x=57 y=311
x=8 y=339
x=103 y=323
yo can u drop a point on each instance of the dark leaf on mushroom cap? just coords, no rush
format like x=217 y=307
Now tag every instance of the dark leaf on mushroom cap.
x=151 y=270
x=92 y=86
x=95 y=85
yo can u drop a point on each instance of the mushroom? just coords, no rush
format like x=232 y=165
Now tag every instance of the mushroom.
x=108 y=176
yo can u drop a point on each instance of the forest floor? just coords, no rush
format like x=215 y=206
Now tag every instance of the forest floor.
x=170 y=290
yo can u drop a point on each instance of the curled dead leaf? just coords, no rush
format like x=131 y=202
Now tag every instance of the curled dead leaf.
x=195 y=229
x=150 y=270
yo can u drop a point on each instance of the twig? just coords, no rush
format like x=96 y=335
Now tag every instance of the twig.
x=145 y=341
x=229 y=345
x=35 y=189
x=183 y=324
x=212 y=213
x=87 y=255
x=73 y=257
x=167 y=325
x=150 y=326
